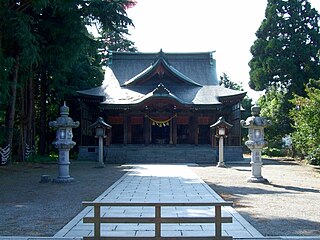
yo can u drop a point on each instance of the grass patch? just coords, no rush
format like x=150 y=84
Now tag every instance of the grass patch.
x=52 y=158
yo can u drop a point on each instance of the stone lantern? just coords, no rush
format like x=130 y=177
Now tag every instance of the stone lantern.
x=100 y=127
x=222 y=129
x=64 y=143
x=256 y=142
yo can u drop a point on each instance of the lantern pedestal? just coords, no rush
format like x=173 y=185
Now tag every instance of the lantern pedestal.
x=256 y=165
x=100 y=154
x=63 y=170
x=221 y=157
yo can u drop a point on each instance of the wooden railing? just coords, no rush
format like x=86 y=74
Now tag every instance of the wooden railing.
x=97 y=220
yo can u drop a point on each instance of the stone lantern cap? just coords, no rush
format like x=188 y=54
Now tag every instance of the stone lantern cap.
x=255 y=120
x=100 y=123
x=64 y=120
x=221 y=123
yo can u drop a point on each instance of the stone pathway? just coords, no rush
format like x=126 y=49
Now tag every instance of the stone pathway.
x=159 y=183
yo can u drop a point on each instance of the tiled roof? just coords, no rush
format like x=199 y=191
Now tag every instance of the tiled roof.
x=152 y=70
x=125 y=82
x=200 y=67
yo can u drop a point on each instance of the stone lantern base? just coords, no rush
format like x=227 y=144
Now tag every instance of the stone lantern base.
x=63 y=180
x=221 y=164
x=257 y=180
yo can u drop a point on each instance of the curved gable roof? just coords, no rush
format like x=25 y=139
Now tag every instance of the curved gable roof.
x=198 y=67
x=160 y=67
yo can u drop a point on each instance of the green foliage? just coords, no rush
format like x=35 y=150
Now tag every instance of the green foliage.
x=285 y=54
x=43 y=159
x=306 y=122
x=274 y=107
x=48 y=45
x=5 y=66
x=273 y=152
x=227 y=83
x=246 y=103
x=284 y=58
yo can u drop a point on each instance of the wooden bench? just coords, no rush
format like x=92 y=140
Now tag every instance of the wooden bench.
x=97 y=220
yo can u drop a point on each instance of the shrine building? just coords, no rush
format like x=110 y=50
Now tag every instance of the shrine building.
x=160 y=107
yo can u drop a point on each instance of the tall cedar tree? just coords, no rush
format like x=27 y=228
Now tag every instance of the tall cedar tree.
x=284 y=57
x=46 y=53
x=285 y=53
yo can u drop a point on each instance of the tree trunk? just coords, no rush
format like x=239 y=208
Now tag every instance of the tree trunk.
x=43 y=116
x=10 y=111
x=30 y=113
x=26 y=141
x=22 y=136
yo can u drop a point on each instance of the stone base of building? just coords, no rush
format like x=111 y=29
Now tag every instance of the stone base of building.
x=166 y=154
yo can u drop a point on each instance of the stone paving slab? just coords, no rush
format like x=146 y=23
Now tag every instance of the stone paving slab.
x=159 y=183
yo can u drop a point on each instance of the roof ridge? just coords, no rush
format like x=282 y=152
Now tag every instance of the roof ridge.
x=165 y=53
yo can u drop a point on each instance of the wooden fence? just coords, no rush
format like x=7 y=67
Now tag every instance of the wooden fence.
x=97 y=220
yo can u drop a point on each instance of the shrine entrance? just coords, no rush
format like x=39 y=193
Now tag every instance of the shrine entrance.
x=160 y=134
x=161 y=128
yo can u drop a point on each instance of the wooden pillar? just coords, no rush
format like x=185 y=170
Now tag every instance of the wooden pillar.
x=125 y=129
x=174 y=130
x=129 y=140
x=146 y=130
x=109 y=137
x=195 y=129
x=171 y=133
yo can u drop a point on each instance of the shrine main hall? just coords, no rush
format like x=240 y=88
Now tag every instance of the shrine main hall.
x=160 y=107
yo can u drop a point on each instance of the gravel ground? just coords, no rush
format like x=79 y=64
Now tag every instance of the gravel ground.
x=31 y=208
x=288 y=206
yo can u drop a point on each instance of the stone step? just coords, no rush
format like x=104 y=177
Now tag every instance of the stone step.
x=201 y=154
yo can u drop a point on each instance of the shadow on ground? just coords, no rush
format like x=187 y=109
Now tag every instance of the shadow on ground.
x=280 y=226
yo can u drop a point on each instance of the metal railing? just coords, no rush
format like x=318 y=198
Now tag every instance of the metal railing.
x=97 y=219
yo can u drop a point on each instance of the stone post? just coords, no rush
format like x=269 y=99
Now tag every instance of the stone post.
x=222 y=127
x=256 y=142
x=64 y=143
x=100 y=127
x=221 y=157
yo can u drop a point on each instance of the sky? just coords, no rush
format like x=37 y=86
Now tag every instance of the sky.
x=227 y=27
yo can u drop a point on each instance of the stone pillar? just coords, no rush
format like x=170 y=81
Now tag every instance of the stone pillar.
x=221 y=157
x=100 y=154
